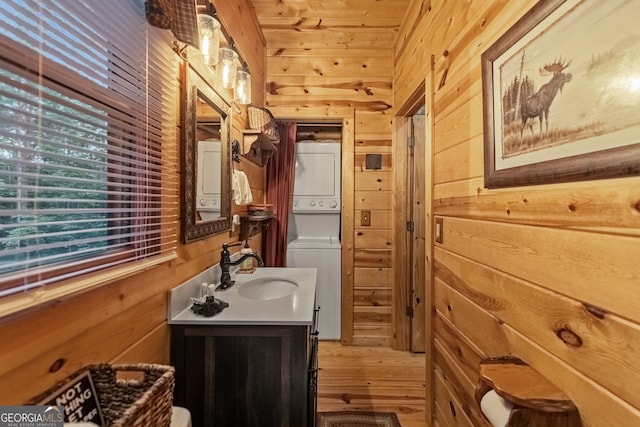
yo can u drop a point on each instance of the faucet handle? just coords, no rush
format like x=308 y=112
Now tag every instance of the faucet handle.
x=226 y=246
x=230 y=245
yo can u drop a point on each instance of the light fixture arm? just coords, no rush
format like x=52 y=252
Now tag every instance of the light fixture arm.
x=211 y=9
x=180 y=48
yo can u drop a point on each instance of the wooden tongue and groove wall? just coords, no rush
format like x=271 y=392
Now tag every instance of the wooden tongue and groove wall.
x=548 y=273
x=124 y=321
x=332 y=60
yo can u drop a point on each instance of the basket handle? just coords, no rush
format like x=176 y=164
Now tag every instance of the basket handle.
x=142 y=372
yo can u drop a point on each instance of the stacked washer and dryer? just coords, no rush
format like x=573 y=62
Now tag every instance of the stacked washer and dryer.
x=208 y=179
x=314 y=227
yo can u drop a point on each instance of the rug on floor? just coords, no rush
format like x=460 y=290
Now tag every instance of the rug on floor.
x=357 y=419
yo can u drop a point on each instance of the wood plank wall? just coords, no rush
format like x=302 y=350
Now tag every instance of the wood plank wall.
x=124 y=322
x=519 y=267
x=325 y=64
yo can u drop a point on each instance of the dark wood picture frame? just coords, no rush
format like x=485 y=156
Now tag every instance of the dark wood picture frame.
x=611 y=158
x=194 y=86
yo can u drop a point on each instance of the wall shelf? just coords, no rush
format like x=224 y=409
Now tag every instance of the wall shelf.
x=251 y=225
x=534 y=399
x=257 y=147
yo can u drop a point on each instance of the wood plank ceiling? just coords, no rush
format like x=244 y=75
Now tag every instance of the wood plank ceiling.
x=326 y=57
x=341 y=23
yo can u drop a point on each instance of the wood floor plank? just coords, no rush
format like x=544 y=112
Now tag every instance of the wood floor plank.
x=357 y=378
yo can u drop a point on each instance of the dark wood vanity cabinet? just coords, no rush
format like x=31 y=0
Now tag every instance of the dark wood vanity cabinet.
x=246 y=376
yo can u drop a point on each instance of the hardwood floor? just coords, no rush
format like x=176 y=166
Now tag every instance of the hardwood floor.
x=372 y=379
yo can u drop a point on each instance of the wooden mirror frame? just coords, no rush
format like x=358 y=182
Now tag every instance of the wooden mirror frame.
x=193 y=87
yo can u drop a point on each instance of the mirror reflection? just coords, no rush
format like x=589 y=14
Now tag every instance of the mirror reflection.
x=209 y=163
x=206 y=168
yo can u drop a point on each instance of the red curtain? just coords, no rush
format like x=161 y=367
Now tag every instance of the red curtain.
x=279 y=192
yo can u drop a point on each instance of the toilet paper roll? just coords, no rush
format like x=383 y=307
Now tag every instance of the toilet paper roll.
x=496 y=409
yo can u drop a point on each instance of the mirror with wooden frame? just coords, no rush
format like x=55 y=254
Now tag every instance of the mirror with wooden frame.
x=206 y=177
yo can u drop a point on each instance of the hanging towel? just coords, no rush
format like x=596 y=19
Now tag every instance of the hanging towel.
x=241 y=189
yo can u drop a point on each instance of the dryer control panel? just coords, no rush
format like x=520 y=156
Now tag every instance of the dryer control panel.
x=311 y=204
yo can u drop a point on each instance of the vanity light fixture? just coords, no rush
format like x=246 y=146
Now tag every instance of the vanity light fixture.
x=218 y=49
x=242 y=90
x=209 y=29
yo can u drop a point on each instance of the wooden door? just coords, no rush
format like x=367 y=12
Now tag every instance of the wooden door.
x=410 y=225
x=417 y=231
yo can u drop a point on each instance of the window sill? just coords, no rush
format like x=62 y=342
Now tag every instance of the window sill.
x=27 y=300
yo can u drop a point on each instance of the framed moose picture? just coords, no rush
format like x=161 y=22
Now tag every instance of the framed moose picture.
x=561 y=95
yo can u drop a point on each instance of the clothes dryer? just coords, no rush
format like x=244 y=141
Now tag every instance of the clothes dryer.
x=314 y=228
x=208 y=180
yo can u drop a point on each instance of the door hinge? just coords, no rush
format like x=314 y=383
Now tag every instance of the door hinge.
x=410 y=226
x=409 y=311
x=411 y=141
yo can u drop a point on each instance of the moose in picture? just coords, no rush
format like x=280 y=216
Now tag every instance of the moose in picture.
x=524 y=105
x=538 y=104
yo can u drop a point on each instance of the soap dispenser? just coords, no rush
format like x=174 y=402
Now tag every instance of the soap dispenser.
x=247 y=265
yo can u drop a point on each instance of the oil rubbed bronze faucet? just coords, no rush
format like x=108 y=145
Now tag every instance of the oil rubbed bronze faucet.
x=226 y=263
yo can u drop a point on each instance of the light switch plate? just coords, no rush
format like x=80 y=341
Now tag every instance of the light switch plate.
x=439 y=230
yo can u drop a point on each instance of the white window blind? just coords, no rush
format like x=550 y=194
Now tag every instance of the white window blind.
x=87 y=140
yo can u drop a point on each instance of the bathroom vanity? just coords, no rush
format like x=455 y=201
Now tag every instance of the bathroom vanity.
x=255 y=363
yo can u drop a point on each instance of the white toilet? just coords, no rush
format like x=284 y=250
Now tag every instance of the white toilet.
x=180 y=417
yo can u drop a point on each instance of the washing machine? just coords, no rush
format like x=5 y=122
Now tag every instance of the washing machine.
x=208 y=179
x=314 y=228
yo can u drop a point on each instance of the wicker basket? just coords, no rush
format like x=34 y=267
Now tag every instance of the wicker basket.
x=261 y=119
x=144 y=402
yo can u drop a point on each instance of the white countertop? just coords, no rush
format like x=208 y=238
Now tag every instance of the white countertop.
x=295 y=309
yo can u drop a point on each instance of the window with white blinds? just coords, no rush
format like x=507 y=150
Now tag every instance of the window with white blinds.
x=87 y=142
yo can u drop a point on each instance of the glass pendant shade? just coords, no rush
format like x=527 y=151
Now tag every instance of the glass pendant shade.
x=209 y=29
x=227 y=66
x=242 y=90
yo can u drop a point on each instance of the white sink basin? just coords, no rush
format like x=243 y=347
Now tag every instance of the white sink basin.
x=268 y=296
x=267 y=288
